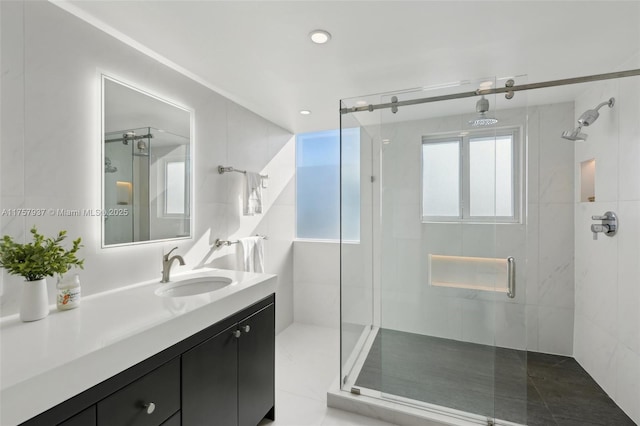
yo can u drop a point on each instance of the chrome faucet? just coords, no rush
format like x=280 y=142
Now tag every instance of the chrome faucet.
x=608 y=227
x=166 y=264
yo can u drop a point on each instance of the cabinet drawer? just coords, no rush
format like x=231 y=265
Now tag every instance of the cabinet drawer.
x=161 y=387
x=84 y=418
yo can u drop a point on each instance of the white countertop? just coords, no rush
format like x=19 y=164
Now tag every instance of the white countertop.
x=46 y=362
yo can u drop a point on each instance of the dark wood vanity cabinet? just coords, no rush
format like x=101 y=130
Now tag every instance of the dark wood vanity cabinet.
x=229 y=380
x=210 y=381
x=222 y=375
x=256 y=356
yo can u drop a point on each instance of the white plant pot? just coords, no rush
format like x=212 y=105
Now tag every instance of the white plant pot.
x=34 y=303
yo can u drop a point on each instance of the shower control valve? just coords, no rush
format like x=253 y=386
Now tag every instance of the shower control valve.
x=608 y=227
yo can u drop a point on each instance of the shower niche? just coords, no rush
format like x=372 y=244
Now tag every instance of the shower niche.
x=147 y=168
x=588 y=181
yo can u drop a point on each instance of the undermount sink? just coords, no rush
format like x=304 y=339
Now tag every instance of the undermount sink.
x=193 y=286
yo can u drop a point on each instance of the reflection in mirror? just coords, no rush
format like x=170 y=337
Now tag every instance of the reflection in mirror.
x=147 y=168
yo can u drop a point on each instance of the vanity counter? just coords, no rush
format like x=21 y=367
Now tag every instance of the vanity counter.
x=46 y=362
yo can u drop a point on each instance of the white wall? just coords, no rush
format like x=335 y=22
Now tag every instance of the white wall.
x=607 y=314
x=316 y=278
x=50 y=153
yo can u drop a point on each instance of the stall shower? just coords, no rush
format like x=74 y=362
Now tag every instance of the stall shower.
x=478 y=292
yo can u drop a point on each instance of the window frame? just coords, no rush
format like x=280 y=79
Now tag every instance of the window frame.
x=464 y=203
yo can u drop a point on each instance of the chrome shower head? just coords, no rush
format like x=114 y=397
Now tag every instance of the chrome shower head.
x=482 y=107
x=591 y=115
x=586 y=119
x=575 y=134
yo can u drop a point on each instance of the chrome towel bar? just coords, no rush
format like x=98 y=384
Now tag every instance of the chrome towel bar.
x=223 y=169
x=219 y=243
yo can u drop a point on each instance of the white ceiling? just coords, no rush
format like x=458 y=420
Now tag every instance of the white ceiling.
x=258 y=52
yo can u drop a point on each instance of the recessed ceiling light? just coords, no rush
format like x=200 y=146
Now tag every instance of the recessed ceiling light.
x=362 y=103
x=386 y=141
x=320 y=36
x=305 y=112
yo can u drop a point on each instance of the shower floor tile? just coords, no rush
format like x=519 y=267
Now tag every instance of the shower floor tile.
x=545 y=390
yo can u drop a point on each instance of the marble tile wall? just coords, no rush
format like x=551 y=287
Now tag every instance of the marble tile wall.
x=50 y=153
x=607 y=311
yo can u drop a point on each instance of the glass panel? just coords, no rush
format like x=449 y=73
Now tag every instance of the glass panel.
x=118 y=191
x=356 y=245
x=441 y=178
x=437 y=329
x=491 y=176
x=351 y=177
x=444 y=335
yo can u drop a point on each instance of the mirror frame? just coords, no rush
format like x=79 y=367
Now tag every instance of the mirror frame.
x=109 y=77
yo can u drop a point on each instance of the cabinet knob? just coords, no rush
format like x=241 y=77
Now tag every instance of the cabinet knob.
x=245 y=328
x=150 y=407
x=237 y=334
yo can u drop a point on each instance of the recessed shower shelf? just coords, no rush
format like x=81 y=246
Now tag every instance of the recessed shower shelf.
x=588 y=181
x=471 y=273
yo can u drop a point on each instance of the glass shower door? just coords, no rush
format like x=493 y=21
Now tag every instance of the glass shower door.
x=450 y=190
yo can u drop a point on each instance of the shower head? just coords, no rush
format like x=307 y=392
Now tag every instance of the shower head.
x=591 y=115
x=586 y=119
x=482 y=107
x=575 y=134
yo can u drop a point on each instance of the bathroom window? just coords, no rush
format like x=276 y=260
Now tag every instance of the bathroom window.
x=175 y=199
x=318 y=185
x=471 y=177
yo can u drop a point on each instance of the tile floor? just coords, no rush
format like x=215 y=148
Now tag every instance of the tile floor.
x=533 y=388
x=307 y=359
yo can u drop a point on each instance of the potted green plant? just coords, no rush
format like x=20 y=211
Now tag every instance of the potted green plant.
x=36 y=261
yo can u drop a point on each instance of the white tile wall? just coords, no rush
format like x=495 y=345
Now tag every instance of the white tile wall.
x=607 y=318
x=317 y=283
x=51 y=153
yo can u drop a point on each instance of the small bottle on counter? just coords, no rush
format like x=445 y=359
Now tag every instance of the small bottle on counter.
x=68 y=292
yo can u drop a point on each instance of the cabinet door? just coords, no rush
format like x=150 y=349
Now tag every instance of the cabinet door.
x=83 y=418
x=256 y=359
x=210 y=381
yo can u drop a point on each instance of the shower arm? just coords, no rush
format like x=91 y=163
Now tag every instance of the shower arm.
x=610 y=102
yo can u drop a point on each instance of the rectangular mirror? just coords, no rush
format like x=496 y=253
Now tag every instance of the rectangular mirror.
x=146 y=180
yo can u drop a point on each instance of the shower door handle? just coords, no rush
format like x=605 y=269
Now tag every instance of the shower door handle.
x=511 y=277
